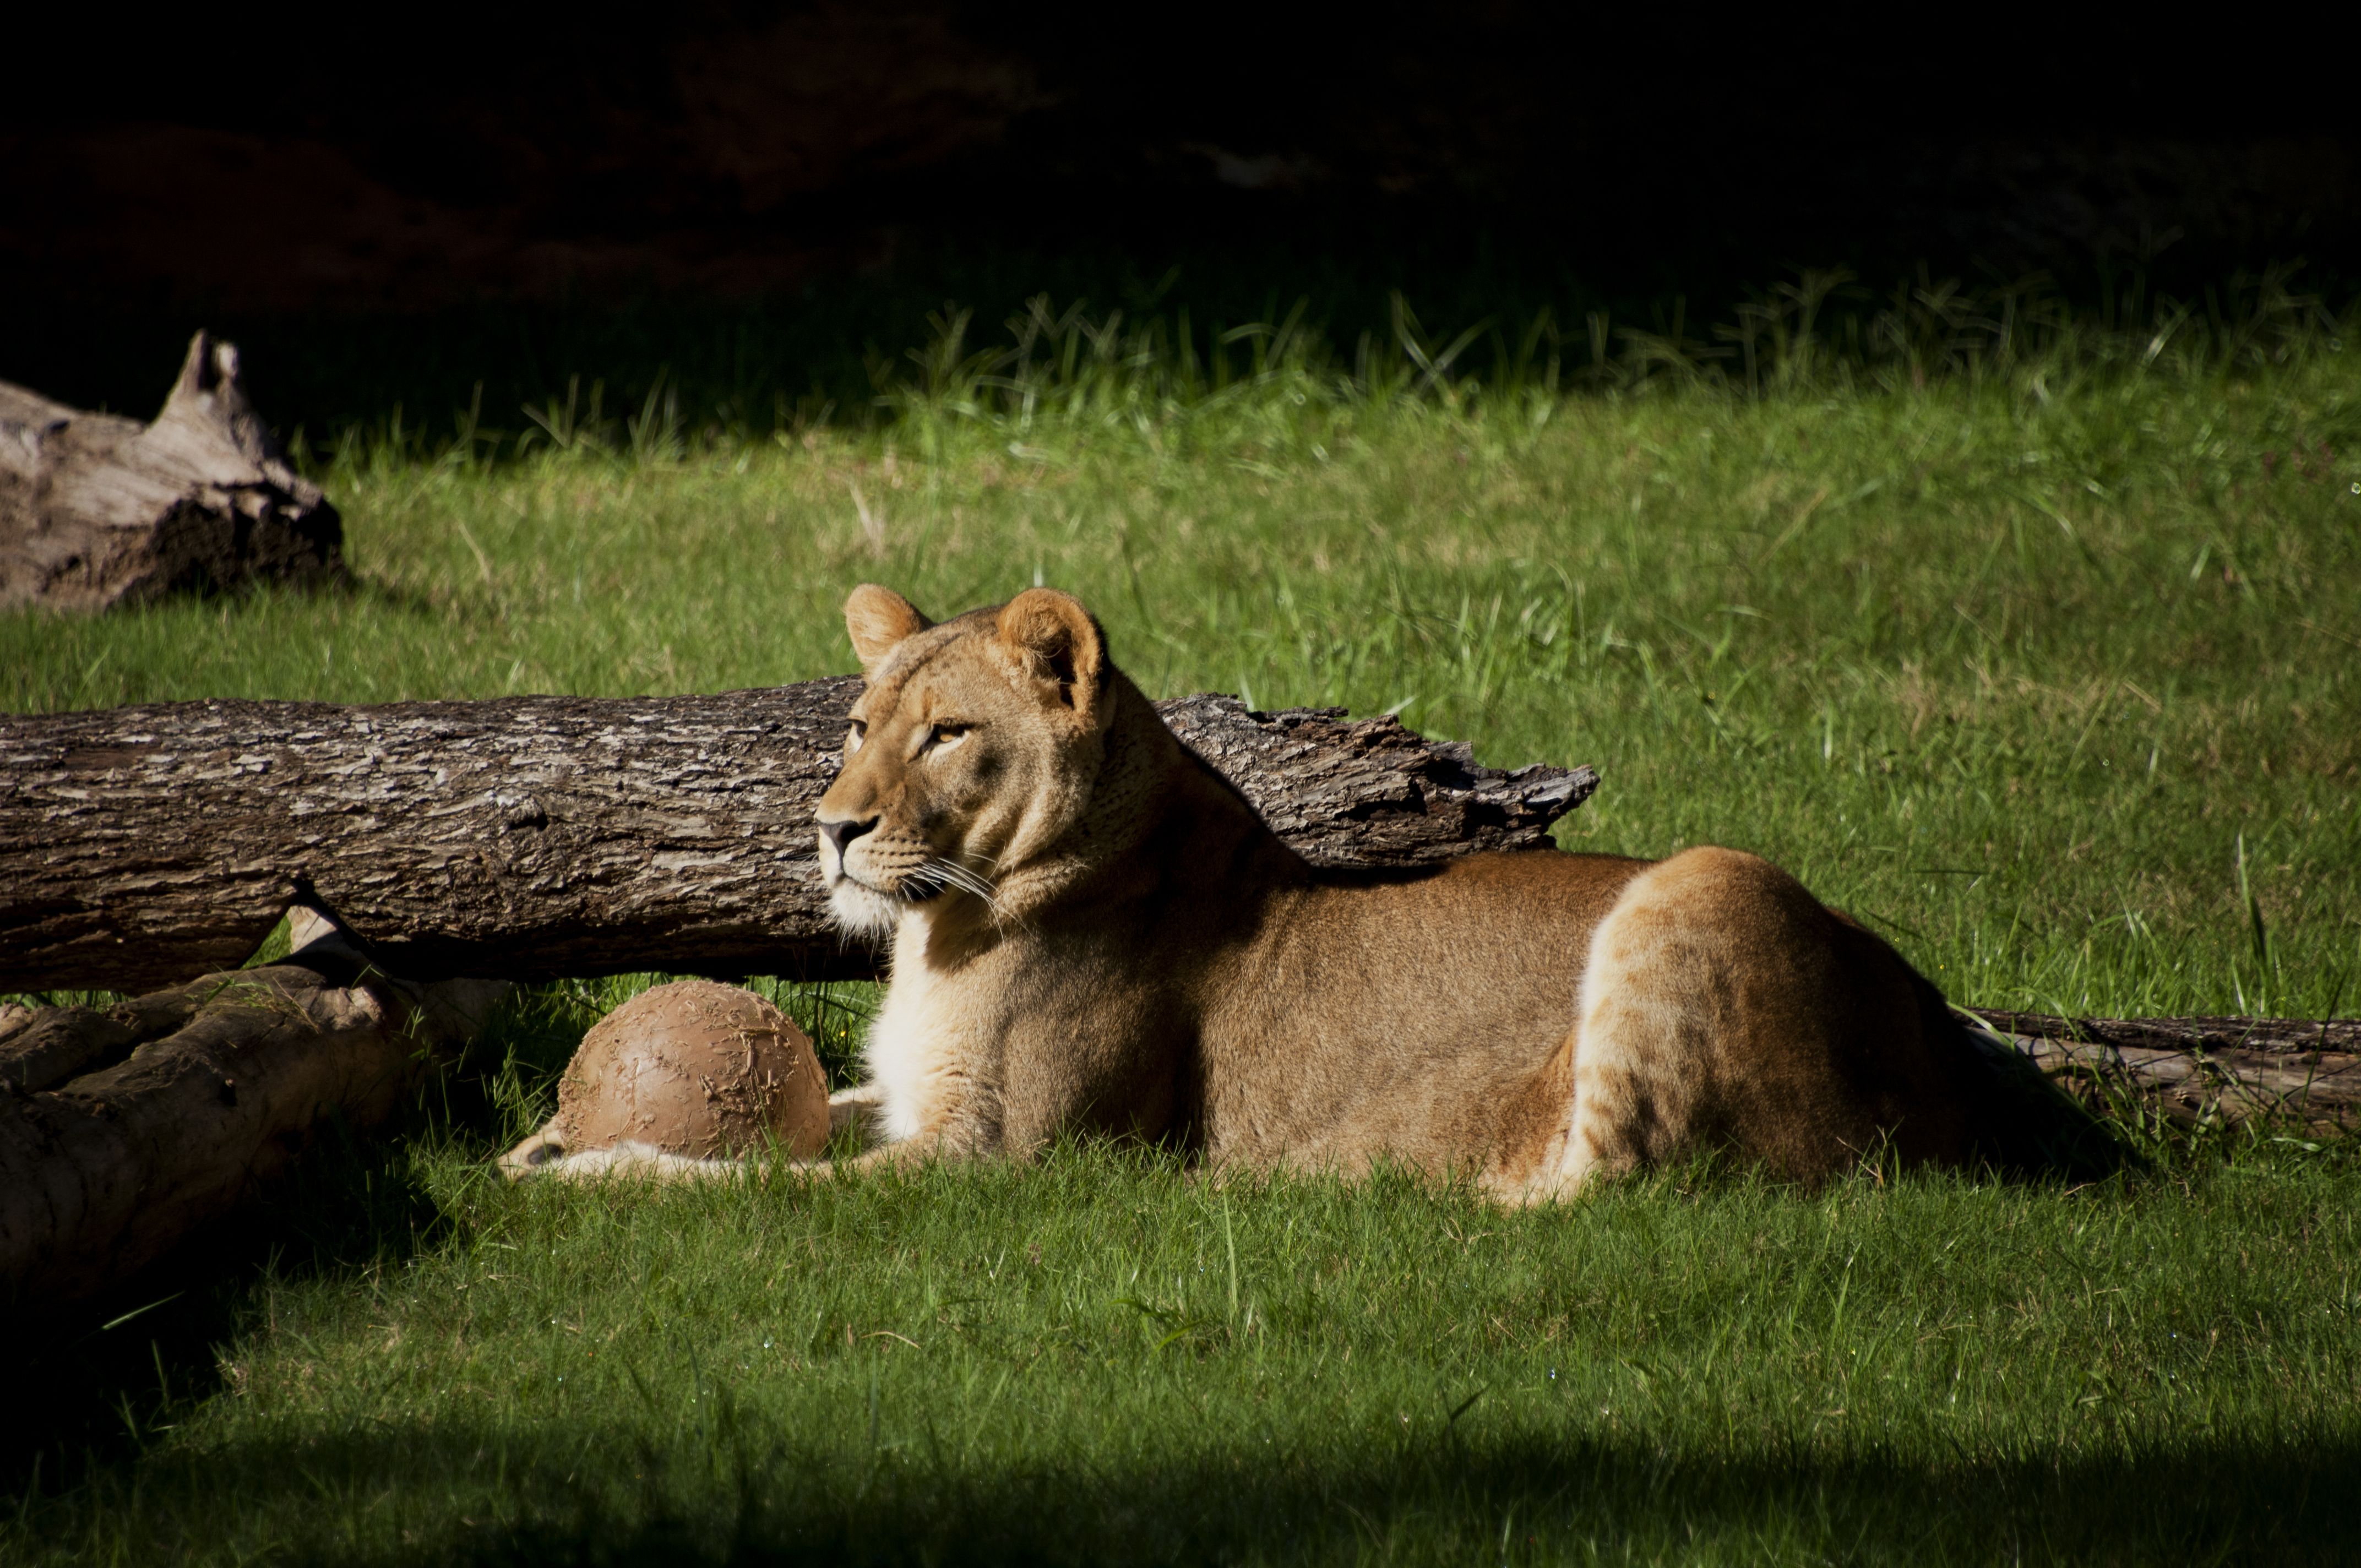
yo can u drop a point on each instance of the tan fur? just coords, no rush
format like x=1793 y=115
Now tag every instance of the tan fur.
x=1091 y=931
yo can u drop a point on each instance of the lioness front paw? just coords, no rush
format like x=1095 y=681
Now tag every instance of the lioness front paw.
x=543 y=1156
x=534 y=1155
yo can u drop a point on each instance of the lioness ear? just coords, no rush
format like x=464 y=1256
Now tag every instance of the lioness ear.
x=1055 y=640
x=878 y=619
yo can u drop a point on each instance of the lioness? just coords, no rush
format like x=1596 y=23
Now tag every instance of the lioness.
x=1091 y=931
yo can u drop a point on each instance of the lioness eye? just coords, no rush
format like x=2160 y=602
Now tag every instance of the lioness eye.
x=854 y=737
x=943 y=737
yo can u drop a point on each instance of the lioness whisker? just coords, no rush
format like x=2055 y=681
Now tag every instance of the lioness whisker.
x=960 y=876
x=950 y=871
x=943 y=873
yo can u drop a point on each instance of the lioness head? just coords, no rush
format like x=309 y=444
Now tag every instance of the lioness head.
x=971 y=754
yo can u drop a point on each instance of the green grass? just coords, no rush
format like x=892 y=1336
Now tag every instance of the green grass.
x=1098 y=1359
x=2051 y=668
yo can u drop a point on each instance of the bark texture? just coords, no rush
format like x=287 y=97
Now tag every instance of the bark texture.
x=535 y=838
x=2301 y=1073
x=97 y=510
x=122 y=1132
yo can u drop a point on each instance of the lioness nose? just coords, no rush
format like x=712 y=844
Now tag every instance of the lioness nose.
x=842 y=834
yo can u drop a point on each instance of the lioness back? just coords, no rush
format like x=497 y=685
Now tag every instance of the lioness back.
x=1422 y=1018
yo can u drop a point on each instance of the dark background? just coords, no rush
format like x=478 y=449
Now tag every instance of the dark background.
x=388 y=206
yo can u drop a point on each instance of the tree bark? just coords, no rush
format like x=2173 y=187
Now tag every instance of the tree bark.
x=97 y=510
x=123 y=1131
x=536 y=838
x=2298 y=1073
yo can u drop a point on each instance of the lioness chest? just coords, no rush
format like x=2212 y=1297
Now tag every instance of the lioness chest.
x=1006 y=1047
x=933 y=1052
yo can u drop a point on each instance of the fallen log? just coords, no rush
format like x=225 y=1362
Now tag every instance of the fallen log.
x=98 y=511
x=121 y=1131
x=543 y=836
x=2302 y=1075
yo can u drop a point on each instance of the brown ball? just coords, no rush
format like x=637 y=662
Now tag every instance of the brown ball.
x=693 y=1068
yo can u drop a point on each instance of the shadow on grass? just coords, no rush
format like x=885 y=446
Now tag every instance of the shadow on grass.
x=396 y=1495
x=115 y=1370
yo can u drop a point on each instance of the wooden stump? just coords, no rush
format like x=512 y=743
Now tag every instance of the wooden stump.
x=124 y=1130
x=98 y=511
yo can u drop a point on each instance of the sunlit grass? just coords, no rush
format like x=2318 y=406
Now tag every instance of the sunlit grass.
x=1099 y=1359
x=2014 y=675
